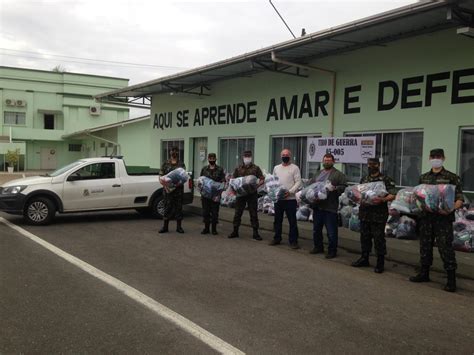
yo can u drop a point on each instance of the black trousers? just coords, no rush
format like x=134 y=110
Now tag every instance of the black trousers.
x=210 y=211
x=173 y=203
x=375 y=231
x=240 y=203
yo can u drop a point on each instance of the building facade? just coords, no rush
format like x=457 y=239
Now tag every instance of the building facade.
x=38 y=108
x=411 y=85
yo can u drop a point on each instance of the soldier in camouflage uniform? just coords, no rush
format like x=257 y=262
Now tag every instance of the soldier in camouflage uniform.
x=210 y=208
x=373 y=218
x=439 y=227
x=245 y=169
x=173 y=200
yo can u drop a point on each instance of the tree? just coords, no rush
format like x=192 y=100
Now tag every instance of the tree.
x=59 y=69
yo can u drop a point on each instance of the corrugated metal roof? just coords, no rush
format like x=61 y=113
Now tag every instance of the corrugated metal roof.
x=407 y=21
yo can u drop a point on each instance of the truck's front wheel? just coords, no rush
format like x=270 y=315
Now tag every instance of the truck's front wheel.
x=39 y=211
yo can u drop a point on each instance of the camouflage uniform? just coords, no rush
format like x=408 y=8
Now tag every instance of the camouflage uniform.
x=250 y=200
x=173 y=201
x=210 y=209
x=438 y=227
x=373 y=218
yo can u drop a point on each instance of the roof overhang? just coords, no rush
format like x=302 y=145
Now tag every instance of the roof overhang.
x=408 y=21
x=87 y=132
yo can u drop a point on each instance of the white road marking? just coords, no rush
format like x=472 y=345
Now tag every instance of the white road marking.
x=188 y=326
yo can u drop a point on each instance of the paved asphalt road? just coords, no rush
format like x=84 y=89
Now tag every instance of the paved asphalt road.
x=260 y=299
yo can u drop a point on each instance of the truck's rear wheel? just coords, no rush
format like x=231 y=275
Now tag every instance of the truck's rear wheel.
x=39 y=211
x=158 y=207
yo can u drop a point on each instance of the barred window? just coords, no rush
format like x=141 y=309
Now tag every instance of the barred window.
x=14 y=118
x=75 y=147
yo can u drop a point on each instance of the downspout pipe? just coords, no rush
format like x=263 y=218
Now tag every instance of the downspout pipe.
x=313 y=68
x=105 y=140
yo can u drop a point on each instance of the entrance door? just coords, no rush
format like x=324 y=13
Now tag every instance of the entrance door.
x=48 y=159
x=200 y=155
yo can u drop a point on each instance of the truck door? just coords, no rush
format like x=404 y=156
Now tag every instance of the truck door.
x=93 y=186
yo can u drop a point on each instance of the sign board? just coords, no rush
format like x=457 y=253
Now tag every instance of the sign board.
x=344 y=149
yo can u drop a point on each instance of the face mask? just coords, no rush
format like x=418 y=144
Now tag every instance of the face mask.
x=174 y=155
x=212 y=162
x=328 y=165
x=247 y=161
x=373 y=170
x=285 y=160
x=436 y=163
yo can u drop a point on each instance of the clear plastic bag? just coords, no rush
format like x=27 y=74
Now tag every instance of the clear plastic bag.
x=175 y=178
x=210 y=189
x=228 y=198
x=245 y=185
x=314 y=192
x=366 y=193
x=275 y=191
x=303 y=213
x=435 y=198
x=406 y=228
x=406 y=201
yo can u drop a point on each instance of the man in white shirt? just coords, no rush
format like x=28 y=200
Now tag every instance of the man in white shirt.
x=290 y=177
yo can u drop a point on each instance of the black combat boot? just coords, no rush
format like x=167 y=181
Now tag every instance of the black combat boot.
x=164 y=229
x=451 y=284
x=379 y=268
x=206 y=228
x=234 y=234
x=179 y=229
x=256 y=236
x=422 y=276
x=214 y=228
x=362 y=261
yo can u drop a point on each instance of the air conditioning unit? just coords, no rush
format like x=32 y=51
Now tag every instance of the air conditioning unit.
x=10 y=102
x=21 y=103
x=94 y=110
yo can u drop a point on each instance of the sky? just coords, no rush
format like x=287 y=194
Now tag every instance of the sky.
x=148 y=39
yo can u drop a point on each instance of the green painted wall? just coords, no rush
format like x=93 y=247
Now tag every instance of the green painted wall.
x=419 y=56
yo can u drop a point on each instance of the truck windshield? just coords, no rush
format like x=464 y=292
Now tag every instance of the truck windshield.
x=65 y=168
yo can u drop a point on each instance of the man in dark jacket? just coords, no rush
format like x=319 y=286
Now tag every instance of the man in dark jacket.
x=251 y=200
x=325 y=211
x=373 y=218
x=210 y=208
x=173 y=200
x=437 y=226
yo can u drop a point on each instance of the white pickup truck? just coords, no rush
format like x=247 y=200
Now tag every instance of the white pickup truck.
x=92 y=184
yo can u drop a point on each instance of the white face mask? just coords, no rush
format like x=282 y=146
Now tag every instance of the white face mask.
x=247 y=161
x=436 y=163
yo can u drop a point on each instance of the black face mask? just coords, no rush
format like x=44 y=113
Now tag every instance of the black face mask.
x=212 y=162
x=285 y=160
x=373 y=170
x=174 y=155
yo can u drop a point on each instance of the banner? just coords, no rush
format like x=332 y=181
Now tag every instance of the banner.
x=344 y=149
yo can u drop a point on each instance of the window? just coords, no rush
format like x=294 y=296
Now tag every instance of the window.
x=401 y=153
x=75 y=147
x=14 y=118
x=298 y=147
x=96 y=171
x=166 y=149
x=48 y=121
x=467 y=159
x=231 y=149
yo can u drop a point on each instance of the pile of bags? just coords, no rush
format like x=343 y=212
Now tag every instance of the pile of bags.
x=275 y=191
x=314 y=192
x=354 y=221
x=245 y=185
x=463 y=230
x=366 y=193
x=265 y=205
x=435 y=198
x=406 y=202
x=175 y=178
x=304 y=213
x=210 y=189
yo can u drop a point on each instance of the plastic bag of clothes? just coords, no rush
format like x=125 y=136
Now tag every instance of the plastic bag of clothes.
x=303 y=213
x=344 y=200
x=228 y=198
x=406 y=201
x=260 y=204
x=469 y=214
x=406 y=228
x=267 y=204
x=366 y=193
x=210 y=189
x=314 y=192
x=463 y=232
x=354 y=221
x=244 y=185
x=435 y=198
x=175 y=178
x=391 y=226
x=345 y=213
x=274 y=189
